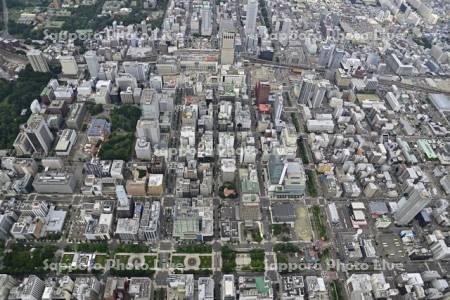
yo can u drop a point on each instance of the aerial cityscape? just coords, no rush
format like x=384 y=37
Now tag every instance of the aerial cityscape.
x=224 y=149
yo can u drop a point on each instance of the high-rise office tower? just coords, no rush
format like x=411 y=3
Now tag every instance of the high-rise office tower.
x=252 y=13
x=416 y=198
x=92 y=63
x=206 y=29
x=318 y=95
x=38 y=134
x=32 y=288
x=7 y=221
x=7 y=282
x=149 y=129
x=144 y=27
x=38 y=61
x=149 y=105
x=336 y=59
x=286 y=28
x=325 y=56
x=227 y=40
x=306 y=91
x=276 y=168
x=126 y=80
x=262 y=91
x=138 y=70
x=277 y=108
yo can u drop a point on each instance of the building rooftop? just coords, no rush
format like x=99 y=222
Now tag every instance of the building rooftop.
x=98 y=127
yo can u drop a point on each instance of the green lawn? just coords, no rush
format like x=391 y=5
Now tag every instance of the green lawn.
x=282 y=258
x=302 y=151
x=131 y=248
x=228 y=260
x=122 y=259
x=319 y=222
x=150 y=260
x=178 y=261
x=101 y=260
x=336 y=290
x=311 y=183
x=257 y=260
x=295 y=121
x=205 y=262
x=286 y=248
x=195 y=249
x=67 y=259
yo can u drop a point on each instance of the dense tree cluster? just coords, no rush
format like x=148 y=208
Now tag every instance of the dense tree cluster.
x=16 y=96
x=22 y=260
x=120 y=143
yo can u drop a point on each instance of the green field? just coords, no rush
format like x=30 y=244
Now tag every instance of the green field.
x=205 y=262
x=178 y=261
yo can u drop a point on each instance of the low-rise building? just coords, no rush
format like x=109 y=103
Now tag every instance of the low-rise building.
x=155 y=186
x=283 y=213
x=66 y=142
x=257 y=288
x=205 y=288
x=228 y=287
x=193 y=219
x=76 y=116
x=180 y=286
x=149 y=224
x=286 y=178
x=99 y=228
x=87 y=288
x=98 y=130
x=28 y=228
x=54 y=183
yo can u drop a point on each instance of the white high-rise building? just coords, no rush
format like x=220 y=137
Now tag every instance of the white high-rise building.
x=149 y=105
x=38 y=61
x=144 y=27
x=440 y=250
x=7 y=221
x=277 y=108
x=318 y=95
x=125 y=80
x=138 y=70
x=7 y=282
x=206 y=29
x=69 y=65
x=127 y=96
x=408 y=207
x=252 y=13
x=326 y=55
x=31 y=288
x=286 y=26
x=92 y=63
x=143 y=149
x=148 y=129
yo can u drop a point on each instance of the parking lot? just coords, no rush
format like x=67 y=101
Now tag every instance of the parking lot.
x=392 y=247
